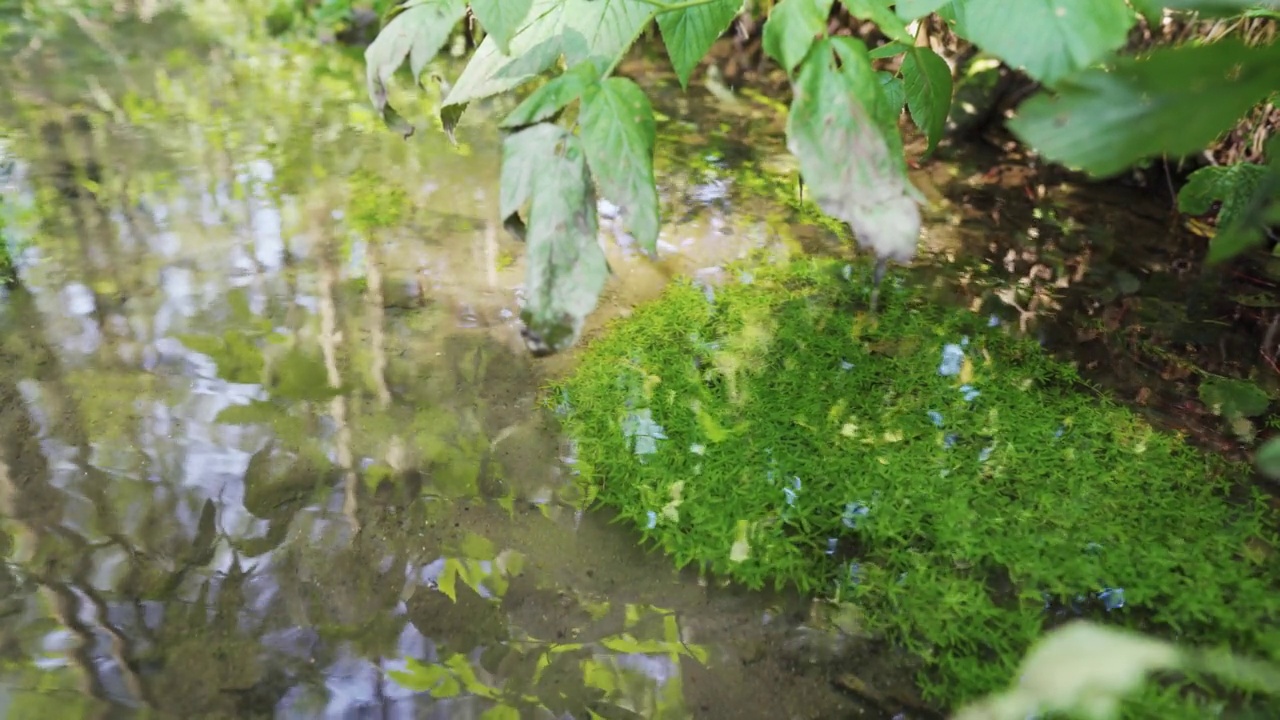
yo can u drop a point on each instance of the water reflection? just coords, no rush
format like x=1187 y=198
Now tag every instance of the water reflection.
x=269 y=448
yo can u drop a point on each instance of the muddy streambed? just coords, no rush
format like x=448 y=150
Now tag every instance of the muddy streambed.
x=268 y=429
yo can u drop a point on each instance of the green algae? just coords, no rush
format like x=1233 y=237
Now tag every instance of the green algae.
x=771 y=432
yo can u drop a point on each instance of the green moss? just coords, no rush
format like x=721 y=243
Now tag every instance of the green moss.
x=826 y=447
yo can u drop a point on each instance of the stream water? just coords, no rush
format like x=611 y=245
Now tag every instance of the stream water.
x=252 y=459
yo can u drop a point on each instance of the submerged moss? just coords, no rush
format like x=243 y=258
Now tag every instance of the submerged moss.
x=939 y=471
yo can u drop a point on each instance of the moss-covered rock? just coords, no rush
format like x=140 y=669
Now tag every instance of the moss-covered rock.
x=927 y=464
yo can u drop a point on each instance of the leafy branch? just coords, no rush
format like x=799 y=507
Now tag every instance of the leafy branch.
x=1095 y=112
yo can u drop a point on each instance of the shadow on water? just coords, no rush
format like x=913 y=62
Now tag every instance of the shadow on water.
x=268 y=437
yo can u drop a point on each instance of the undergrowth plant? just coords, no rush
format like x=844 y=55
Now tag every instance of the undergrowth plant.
x=928 y=465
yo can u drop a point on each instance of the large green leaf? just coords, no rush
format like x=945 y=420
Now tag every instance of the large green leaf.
x=843 y=130
x=1250 y=197
x=548 y=100
x=792 y=28
x=1231 y=185
x=565 y=267
x=912 y=9
x=1049 y=39
x=417 y=33
x=1173 y=101
x=576 y=30
x=501 y=19
x=689 y=32
x=879 y=12
x=618 y=133
x=927 y=81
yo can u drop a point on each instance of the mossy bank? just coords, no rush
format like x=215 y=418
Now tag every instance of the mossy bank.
x=927 y=465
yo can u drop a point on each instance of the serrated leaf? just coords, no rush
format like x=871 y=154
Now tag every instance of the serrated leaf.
x=1231 y=185
x=1049 y=39
x=688 y=33
x=501 y=19
x=912 y=9
x=618 y=133
x=576 y=30
x=1233 y=398
x=549 y=99
x=843 y=130
x=1173 y=101
x=565 y=267
x=927 y=82
x=879 y=12
x=1269 y=458
x=792 y=28
x=417 y=34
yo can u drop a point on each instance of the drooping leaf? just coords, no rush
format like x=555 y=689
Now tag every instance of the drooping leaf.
x=1173 y=101
x=688 y=33
x=1232 y=398
x=576 y=30
x=927 y=82
x=565 y=267
x=1049 y=39
x=618 y=133
x=417 y=34
x=912 y=9
x=792 y=28
x=843 y=130
x=1269 y=458
x=879 y=12
x=549 y=99
x=501 y=19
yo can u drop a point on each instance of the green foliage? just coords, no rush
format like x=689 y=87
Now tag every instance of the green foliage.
x=1269 y=458
x=1234 y=398
x=940 y=472
x=1173 y=101
x=1250 y=201
x=1098 y=113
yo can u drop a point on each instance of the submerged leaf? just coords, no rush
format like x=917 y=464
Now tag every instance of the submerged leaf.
x=618 y=133
x=565 y=267
x=417 y=34
x=843 y=130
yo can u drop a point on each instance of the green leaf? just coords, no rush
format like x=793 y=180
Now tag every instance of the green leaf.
x=1049 y=39
x=927 y=82
x=501 y=19
x=879 y=12
x=1151 y=10
x=688 y=33
x=912 y=9
x=843 y=130
x=576 y=30
x=618 y=133
x=549 y=99
x=1173 y=101
x=299 y=376
x=417 y=33
x=1269 y=458
x=1233 y=398
x=792 y=28
x=895 y=95
x=889 y=50
x=1218 y=8
x=1231 y=185
x=565 y=267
